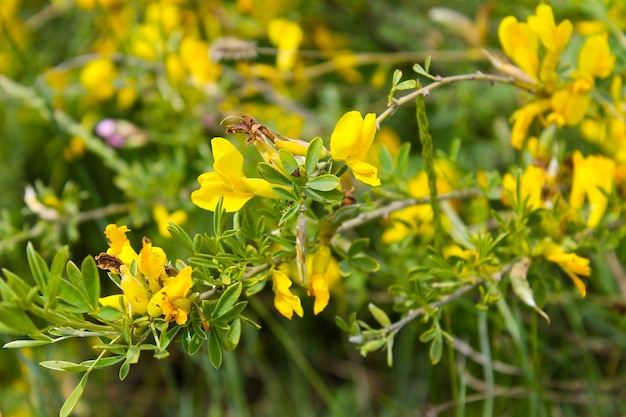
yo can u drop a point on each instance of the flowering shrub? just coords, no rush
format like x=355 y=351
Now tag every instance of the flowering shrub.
x=479 y=212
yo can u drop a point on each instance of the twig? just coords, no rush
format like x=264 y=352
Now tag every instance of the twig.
x=398 y=205
x=478 y=76
x=413 y=314
x=465 y=349
x=366 y=58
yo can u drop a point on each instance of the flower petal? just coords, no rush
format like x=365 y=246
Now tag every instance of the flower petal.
x=345 y=137
x=368 y=132
x=364 y=172
x=284 y=301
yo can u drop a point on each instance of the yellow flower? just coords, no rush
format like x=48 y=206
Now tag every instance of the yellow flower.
x=152 y=264
x=228 y=181
x=532 y=182
x=594 y=59
x=168 y=301
x=118 y=301
x=346 y=62
x=98 y=76
x=572 y=264
x=568 y=108
x=75 y=148
x=593 y=177
x=554 y=38
x=418 y=219
x=286 y=36
x=389 y=139
x=285 y=302
x=296 y=146
x=350 y=141
x=520 y=44
x=194 y=54
x=319 y=282
x=520 y=41
x=135 y=291
x=119 y=244
x=162 y=218
x=523 y=118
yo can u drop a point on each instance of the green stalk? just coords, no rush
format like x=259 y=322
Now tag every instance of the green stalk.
x=428 y=155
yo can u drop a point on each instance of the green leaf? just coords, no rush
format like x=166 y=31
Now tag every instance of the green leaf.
x=7 y=293
x=389 y=348
x=191 y=341
x=406 y=85
x=180 y=235
x=436 y=349
x=293 y=210
x=402 y=161
x=345 y=268
x=342 y=324
x=326 y=182
x=19 y=344
x=73 y=272
x=325 y=197
x=397 y=76
x=427 y=64
x=215 y=351
x=364 y=263
x=227 y=300
x=420 y=70
x=219 y=218
x=63 y=366
x=91 y=281
x=285 y=194
x=313 y=153
x=74 y=397
x=429 y=334
x=271 y=174
x=19 y=287
x=16 y=320
x=386 y=161
x=233 y=312
x=132 y=355
x=357 y=246
x=72 y=299
x=289 y=162
x=102 y=362
x=379 y=315
x=124 y=370
x=38 y=268
x=371 y=346
x=232 y=336
x=56 y=274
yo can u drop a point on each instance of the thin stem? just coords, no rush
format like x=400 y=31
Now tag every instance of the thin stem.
x=440 y=82
x=367 y=58
x=75 y=324
x=413 y=314
x=399 y=205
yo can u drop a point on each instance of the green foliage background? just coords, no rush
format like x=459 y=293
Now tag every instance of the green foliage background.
x=518 y=366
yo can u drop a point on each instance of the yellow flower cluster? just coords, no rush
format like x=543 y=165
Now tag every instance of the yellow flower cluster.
x=350 y=141
x=536 y=46
x=322 y=272
x=418 y=219
x=151 y=290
